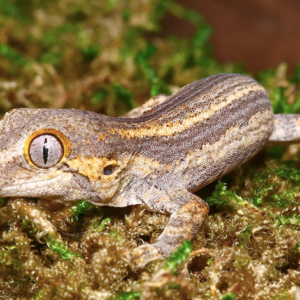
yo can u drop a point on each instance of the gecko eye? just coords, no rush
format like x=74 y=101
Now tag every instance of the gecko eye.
x=46 y=151
x=45 y=148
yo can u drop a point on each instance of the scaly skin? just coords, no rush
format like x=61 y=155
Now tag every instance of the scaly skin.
x=157 y=158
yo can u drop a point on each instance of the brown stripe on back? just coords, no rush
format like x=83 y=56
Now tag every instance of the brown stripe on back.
x=197 y=109
x=199 y=97
x=188 y=93
x=199 y=92
x=168 y=149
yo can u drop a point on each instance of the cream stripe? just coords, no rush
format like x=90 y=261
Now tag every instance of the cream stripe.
x=170 y=128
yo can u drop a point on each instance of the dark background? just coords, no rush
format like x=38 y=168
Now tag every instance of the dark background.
x=260 y=33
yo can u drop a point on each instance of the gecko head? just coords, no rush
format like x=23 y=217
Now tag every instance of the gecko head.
x=58 y=154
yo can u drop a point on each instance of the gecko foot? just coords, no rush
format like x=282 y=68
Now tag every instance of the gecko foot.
x=143 y=255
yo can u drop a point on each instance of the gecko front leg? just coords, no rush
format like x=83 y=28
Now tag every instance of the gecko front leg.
x=188 y=213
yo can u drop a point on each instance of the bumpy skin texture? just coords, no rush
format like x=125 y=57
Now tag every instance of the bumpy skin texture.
x=286 y=128
x=159 y=158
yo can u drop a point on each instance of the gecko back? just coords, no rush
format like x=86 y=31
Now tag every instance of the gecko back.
x=206 y=129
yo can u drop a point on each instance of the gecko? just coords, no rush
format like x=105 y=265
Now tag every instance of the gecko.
x=156 y=155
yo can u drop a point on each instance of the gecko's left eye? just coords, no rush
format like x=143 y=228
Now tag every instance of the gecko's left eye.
x=46 y=151
x=46 y=148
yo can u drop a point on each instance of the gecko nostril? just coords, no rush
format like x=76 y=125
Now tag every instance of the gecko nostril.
x=108 y=170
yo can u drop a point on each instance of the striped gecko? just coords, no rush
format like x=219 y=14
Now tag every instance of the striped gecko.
x=156 y=155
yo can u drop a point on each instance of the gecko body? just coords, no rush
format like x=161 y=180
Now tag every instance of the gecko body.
x=157 y=155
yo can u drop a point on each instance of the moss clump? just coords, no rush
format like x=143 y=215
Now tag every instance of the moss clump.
x=109 y=58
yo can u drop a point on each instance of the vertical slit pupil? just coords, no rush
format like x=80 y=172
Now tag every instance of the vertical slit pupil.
x=45 y=151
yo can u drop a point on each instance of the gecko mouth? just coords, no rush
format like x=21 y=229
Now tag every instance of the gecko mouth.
x=48 y=187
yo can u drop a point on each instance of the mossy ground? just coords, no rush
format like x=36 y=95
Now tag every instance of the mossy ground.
x=108 y=57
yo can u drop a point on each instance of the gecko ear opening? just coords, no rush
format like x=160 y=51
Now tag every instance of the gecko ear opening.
x=110 y=169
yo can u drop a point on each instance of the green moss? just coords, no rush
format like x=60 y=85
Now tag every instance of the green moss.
x=13 y=56
x=13 y=10
x=288 y=173
x=293 y=219
x=259 y=194
x=103 y=224
x=59 y=247
x=52 y=58
x=280 y=102
x=99 y=97
x=122 y=94
x=179 y=256
x=157 y=86
x=90 y=52
x=286 y=198
x=41 y=295
x=80 y=208
x=285 y=172
x=245 y=235
x=229 y=296
x=223 y=196
x=187 y=14
x=283 y=295
x=127 y=296
x=7 y=259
